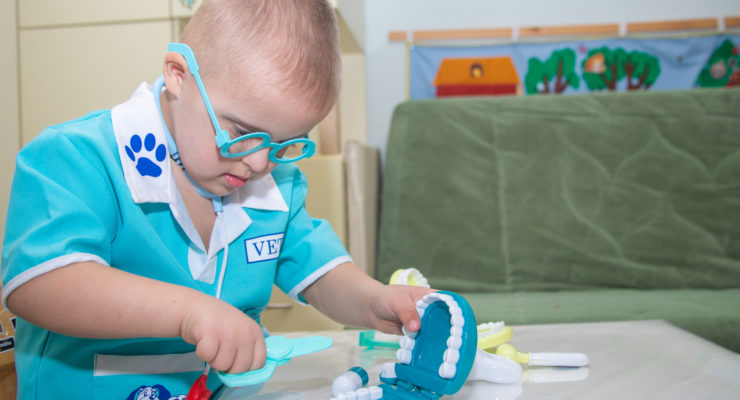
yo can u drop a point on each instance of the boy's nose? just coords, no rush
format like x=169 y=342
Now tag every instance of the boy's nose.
x=257 y=161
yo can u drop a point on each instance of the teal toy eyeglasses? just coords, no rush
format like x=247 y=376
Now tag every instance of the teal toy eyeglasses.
x=282 y=152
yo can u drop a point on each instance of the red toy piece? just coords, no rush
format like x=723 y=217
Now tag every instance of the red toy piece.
x=199 y=390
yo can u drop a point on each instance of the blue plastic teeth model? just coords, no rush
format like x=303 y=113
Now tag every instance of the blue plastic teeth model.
x=437 y=359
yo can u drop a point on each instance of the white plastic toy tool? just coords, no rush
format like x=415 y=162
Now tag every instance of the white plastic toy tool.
x=279 y=351
x=495 y=369
x=492 y=338
x=543 y=359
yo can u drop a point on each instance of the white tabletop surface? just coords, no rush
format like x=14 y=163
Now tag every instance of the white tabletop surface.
x=628 y=360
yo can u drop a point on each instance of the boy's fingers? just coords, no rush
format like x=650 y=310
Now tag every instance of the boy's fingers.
x=225 y=358
x=259 y=354
x=409 y=317
x=206 y=349
x=413 y=325
x=242 y=362
x=408 y=314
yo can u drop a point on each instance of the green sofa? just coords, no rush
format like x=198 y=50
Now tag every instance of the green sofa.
x=548 y=209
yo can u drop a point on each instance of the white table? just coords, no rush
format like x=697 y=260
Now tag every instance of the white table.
x=629 y=360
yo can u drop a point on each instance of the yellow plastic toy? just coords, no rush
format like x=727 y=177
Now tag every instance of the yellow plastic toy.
x=408 y=276
x=493 y=334
x=507 y=350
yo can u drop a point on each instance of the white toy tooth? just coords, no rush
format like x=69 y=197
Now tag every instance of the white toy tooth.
x=447 y=370
x=406 y=343
x=452 y=356
x=454 y=342
x=456 y=331
x=403 y=356
x=363 y=394
x=376 y=393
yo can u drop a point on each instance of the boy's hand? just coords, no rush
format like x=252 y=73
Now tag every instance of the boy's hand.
x=348 y=295
x=395 y=306
x=225 y=337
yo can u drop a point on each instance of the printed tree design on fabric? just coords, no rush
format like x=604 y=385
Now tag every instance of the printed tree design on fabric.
x=560 y=67
x=603 y=68
x=722 y=68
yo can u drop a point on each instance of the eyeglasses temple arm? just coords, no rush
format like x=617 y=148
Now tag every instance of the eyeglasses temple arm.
x=185 y=51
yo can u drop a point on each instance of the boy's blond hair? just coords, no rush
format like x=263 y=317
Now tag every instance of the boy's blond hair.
x=291 y=43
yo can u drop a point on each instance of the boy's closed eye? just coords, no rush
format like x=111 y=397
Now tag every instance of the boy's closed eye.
x=241 y=132
x=238 y=129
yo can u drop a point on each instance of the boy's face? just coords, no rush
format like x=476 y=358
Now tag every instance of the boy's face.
x=240 y=108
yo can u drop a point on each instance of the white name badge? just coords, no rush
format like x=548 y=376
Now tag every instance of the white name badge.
x=263 y=248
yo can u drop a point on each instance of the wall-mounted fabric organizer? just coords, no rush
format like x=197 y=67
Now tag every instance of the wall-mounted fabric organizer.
x=574 y=60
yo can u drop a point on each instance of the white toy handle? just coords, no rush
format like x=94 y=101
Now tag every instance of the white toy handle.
x=494 y=368
x=558 y=359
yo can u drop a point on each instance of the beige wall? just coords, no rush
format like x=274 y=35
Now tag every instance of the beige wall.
x=10 y=132
x=68 y=71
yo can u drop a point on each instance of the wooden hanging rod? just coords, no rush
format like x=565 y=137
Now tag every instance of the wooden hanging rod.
x=732 y=22
x=684 y=25
x=569 y=30
x=563 y=30
x=451 y=34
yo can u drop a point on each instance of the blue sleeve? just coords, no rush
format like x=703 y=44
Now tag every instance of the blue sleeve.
x=311 y=248
x=62 y=208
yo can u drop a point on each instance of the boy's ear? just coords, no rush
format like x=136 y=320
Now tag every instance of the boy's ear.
x=175 y=70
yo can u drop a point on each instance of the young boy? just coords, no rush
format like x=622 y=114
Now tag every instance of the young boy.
x=143 y=242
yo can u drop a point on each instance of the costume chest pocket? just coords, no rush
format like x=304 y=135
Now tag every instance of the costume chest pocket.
x=145 y=377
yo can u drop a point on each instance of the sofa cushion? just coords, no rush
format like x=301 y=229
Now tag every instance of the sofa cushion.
x=711 y=314
x=619 y=190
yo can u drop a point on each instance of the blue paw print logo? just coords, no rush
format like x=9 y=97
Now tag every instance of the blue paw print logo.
x=144 y=164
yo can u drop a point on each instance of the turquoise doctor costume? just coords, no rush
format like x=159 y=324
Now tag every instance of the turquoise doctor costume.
x=100 y=188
